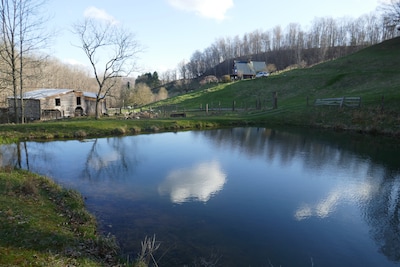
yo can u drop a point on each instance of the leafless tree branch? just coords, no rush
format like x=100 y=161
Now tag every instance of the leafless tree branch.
x=22 y=33
x=111 y=51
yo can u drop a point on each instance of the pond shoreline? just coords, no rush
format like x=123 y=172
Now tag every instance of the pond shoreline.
x=111 y=127
x=46 y=225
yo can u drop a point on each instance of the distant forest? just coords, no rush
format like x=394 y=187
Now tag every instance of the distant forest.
x=325 y=39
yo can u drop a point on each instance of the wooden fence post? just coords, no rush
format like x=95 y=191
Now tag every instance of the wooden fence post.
x=207 y=109
x=274 y=100
x=342 y=102
x=233 y=105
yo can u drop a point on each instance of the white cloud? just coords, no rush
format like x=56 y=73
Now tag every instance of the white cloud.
x=206 y=8
x=100 y=14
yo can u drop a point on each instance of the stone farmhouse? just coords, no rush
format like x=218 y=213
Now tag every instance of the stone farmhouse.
x=48 y=104
x=247 y=69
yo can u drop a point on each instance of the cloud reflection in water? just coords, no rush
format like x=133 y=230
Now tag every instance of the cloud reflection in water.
x=326 y=206
x=197 y=183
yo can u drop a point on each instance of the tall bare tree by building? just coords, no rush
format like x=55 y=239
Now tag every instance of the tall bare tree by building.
x=22 y=32
x=111 y=51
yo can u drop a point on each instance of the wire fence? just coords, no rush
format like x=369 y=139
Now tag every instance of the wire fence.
x=212 y=108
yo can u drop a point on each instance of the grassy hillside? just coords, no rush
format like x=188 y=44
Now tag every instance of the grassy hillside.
x=371 y=74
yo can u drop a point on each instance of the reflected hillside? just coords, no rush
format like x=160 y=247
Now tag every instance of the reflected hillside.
x=315 y=147
x=378 y=197
x=383 y=215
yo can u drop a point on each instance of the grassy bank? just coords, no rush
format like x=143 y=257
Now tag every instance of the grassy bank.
x=89 y=127
x=45 y=225
x=367 y=119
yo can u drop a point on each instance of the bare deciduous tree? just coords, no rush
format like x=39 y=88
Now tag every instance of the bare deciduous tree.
x=183 y=69
x=393 y=10
x=22 y=32
x=111 y=51
x=391 y=14
x=56 y=74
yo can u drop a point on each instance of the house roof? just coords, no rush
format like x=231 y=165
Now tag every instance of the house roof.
x=90 y=94
x=43 y=93
x=250 y=67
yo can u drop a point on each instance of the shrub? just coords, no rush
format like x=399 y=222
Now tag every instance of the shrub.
x=209 y=79
x=29 y=187
x=135 y=130
x=119 y=131
x=153 y=128
x=47 y=136
x=226 y=79
x=80 y=134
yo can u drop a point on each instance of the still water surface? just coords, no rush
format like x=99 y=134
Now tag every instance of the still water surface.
x=242 y=196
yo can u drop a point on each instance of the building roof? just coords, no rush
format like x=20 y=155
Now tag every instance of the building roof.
x=90 y=94
x=43 y=93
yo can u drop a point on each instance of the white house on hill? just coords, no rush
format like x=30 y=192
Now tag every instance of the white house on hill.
x=247 y=69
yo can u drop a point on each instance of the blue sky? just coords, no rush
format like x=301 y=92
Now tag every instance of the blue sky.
x=171 y=30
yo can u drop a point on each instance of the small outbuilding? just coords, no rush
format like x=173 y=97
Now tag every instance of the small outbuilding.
x=47 y=104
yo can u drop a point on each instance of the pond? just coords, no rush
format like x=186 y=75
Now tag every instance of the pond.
x=236 y=197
